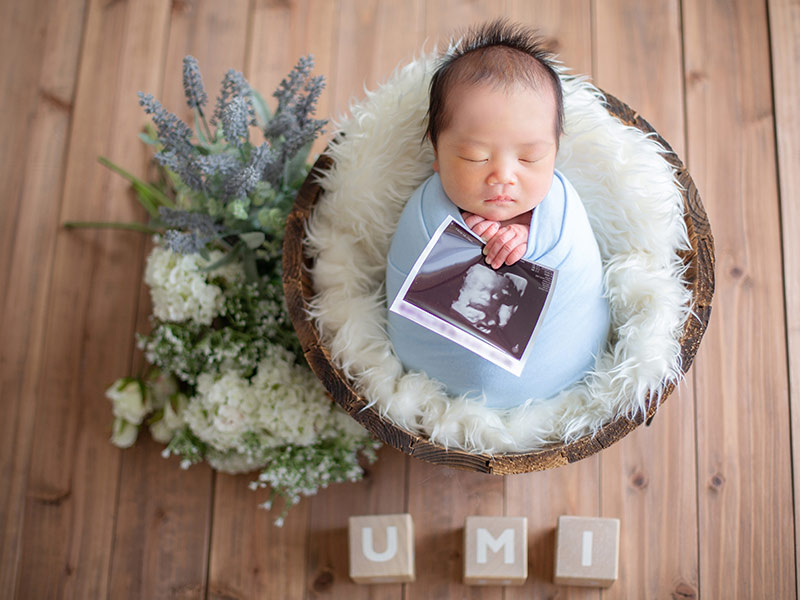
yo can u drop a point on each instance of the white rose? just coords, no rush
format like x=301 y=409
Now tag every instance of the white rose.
x=161 y=432
x=171 y=421
x=123 y=434
x=129 y=400
x=162 y=387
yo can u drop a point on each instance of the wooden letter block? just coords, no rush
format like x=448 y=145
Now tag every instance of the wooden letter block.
x=587 y=551
x=495 y=550
x=381 y=548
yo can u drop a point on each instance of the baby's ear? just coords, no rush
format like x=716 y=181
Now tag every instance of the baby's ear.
x=436 y=164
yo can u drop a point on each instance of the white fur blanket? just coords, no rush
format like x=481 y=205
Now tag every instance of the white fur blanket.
x=636 y=210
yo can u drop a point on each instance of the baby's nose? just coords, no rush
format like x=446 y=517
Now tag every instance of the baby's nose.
x=502 y=174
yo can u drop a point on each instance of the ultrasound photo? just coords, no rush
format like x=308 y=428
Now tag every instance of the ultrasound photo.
x=453 y=292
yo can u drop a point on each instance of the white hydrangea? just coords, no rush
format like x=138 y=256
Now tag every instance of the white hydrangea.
x=222 y=410
x=284 y=404
x=181 y=291
x=293 y=402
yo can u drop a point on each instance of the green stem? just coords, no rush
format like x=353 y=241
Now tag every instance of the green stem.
x=205 y=124
x=110 y=225
x=160 y=197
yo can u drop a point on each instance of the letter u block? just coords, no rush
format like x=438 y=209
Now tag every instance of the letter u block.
x=587 y=551
x=381 y=548
x=495 y=550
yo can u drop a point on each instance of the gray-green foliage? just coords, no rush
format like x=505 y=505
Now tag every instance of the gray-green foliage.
x=222 y=187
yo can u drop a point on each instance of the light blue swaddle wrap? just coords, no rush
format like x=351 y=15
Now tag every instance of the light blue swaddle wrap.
x=574 y=329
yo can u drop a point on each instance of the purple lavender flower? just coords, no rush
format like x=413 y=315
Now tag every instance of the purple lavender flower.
x=196 y=96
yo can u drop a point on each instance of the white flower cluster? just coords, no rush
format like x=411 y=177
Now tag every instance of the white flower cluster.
x=282 y=404
x=132 y=400
x=130 y=403
x=180 y=290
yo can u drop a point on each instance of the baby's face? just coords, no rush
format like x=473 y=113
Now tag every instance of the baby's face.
x=497 y=155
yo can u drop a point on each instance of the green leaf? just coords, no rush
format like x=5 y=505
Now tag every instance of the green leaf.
x=295 y=167
x=228 y=258
x=110 y=225
x=150 y=141
x=253 y=239
x=199 y=130
x=263 y=114
x=150 y=197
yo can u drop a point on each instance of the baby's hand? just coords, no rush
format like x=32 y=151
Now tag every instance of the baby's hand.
x=504 y=244
x=480 y=226
x=507 y=246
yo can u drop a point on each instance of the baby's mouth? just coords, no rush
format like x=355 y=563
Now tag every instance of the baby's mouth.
x=500 y=199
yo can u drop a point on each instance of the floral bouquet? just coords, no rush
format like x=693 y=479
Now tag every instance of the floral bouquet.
x=227 y=380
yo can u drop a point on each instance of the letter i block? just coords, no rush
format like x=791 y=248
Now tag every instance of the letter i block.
x=495 y=550
x=381 y=548
x=587 y=551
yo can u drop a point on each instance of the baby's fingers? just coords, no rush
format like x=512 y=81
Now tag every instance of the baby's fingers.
x=517 y=253
x=499 y=247
x=482 y=227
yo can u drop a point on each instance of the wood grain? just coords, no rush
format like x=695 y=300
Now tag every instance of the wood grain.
x=639 y=485
x=162 y=531
x=746 y=529
x=566 y=27
x=36 y=124
x=784 y=22
x=89 y=319
x=280 y=33
x=252 y=557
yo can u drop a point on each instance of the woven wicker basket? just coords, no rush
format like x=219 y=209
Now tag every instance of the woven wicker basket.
x=299 y=290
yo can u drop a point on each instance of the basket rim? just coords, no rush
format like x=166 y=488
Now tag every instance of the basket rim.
x=298 y=289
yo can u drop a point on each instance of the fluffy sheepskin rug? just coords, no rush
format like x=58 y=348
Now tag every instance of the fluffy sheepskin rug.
x=635 y=208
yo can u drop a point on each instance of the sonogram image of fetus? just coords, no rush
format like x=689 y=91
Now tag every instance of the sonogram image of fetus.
x=488 y=299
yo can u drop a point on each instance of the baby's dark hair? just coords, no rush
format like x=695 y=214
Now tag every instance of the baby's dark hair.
x=501 y=54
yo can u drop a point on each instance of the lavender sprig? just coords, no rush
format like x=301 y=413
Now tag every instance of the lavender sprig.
x=292 y=127
x=188 y=232
x=178 y=153
x=233 y=85
x=235 y=121
x=196 y=96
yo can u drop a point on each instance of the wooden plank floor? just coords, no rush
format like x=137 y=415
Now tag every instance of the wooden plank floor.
x=706 y=495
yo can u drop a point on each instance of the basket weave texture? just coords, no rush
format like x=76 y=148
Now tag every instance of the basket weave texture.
x=299 y=290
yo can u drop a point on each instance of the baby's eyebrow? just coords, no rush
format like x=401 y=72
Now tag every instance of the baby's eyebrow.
x=536 y=144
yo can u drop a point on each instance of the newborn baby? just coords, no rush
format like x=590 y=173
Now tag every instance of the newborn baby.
x=495 y=119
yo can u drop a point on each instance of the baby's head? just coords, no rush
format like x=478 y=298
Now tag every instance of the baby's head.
x=495 y=119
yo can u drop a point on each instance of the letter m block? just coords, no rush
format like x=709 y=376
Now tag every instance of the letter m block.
x=381 y=548
x=495 y=550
